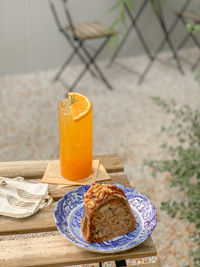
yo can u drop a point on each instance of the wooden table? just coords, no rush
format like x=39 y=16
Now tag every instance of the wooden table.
x=55 y=250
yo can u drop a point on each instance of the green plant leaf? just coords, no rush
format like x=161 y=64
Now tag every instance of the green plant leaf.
x=183 y=165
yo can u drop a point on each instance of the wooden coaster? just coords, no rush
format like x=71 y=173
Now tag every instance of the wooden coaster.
x=101 y=175
x=52 y=175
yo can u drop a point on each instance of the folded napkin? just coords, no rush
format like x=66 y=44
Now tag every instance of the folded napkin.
x=9 y=195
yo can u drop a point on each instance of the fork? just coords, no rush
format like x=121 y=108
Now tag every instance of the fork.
x=16 y=202
x=22 y=193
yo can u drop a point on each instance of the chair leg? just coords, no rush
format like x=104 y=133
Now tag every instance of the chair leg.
x=121 y=263
x=92 y=60
x=160 y=47
x=134 y=24
x=57 y=76
x=175 y=56
x=195 y=65
x=146 y=70
x=141 y=9
x=160 y=17
x=76 y=51
x=115 y=54
x=76 y=48
x=146 y=48
x=87 y=65
x=183 y=42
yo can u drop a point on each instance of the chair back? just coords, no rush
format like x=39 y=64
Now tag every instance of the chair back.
x=53 y=9
x=69 y=18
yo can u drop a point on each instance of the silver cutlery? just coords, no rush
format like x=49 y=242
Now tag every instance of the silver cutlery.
x=22 y=193
x=16 y=202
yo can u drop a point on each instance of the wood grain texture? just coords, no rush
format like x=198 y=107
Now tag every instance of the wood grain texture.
x=58 y=251
x=43 y=220
x=91 y=30
x=35 y=168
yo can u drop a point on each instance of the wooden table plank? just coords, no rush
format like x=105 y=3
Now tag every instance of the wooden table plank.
x=36 y=168
x=43 y=221
x=58 y=251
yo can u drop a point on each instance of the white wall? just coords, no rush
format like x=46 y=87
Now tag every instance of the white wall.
x=29 y=40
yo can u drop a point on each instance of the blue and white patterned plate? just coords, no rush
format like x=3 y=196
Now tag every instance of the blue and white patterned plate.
x=69 y=211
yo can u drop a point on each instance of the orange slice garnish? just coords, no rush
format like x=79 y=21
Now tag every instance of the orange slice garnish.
x=80 y=105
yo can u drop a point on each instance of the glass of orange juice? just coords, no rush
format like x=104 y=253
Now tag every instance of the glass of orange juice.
x=75 y=136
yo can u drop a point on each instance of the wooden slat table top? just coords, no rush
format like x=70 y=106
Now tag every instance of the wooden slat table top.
x=54 y=250
x=35 y=168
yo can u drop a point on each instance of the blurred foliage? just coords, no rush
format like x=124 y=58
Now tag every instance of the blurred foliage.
x=195 y=29
x=183 y=165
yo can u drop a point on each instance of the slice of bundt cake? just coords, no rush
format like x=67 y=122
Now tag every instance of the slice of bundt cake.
x=107 y=213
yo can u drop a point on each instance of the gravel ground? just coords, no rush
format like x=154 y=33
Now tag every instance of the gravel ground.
x=126 y=121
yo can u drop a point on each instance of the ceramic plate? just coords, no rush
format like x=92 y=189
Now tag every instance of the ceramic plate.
x=69 y=211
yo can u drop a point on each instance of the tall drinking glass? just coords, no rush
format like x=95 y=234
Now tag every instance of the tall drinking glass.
x=75 y=139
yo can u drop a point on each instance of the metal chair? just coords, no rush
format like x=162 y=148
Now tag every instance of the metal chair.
x=133 y=25
x=77 y=35
x=167 y=38
x=159 y=14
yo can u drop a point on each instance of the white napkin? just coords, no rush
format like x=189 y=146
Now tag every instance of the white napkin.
x=34 y=188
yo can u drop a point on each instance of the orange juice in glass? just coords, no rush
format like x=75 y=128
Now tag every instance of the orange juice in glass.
x=75 y=136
